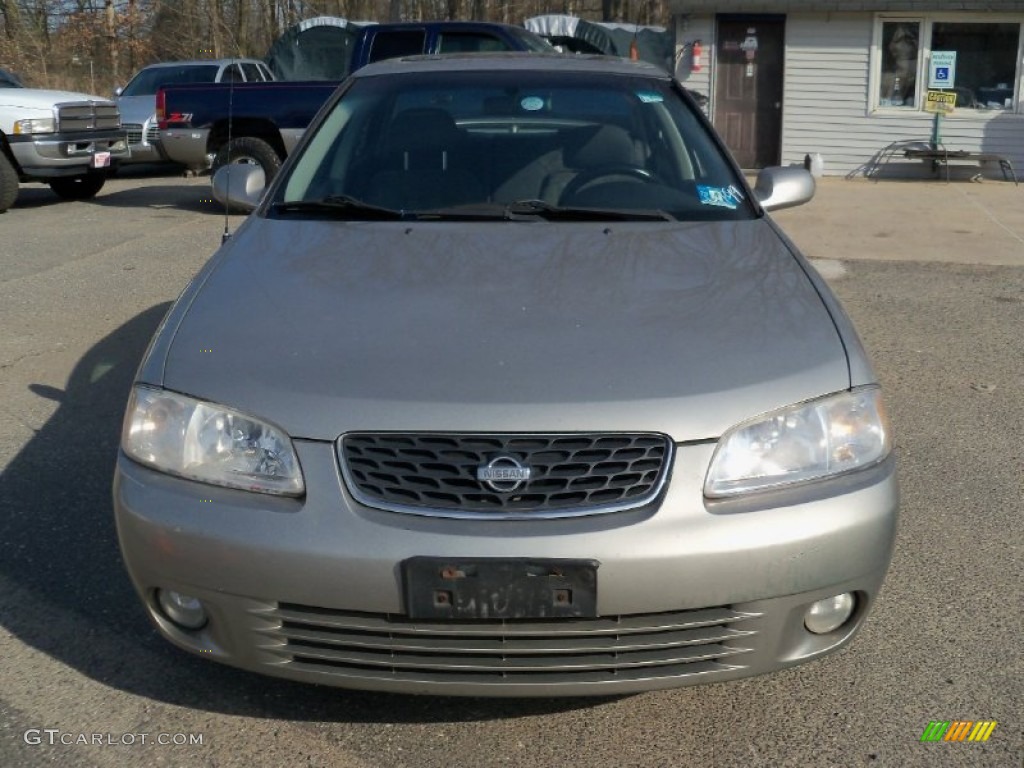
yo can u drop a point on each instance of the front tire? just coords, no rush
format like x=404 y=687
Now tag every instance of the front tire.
x=8 y=183
x=78 y=187
x=247 y=149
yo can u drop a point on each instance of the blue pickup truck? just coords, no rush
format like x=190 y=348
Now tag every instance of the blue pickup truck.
x=209 y=125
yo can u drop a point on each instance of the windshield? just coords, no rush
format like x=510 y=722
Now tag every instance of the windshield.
x=516 y=144
x=146 y=82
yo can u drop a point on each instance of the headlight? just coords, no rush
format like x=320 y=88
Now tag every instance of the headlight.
x=804 y=442
x=209 y=443
x=35 y=125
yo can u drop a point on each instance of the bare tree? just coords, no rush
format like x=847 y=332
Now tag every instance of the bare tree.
x=11 y=18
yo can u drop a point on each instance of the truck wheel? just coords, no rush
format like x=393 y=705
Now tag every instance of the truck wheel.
x=247 y=149
x=8 y=183
x=78 y=187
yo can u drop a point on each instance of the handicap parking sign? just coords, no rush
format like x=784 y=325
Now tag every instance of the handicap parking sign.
x=942 y=70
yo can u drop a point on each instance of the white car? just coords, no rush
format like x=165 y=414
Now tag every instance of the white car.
x=68 y=140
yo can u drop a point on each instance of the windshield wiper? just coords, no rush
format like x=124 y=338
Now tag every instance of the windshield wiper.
x=550 y=212
x=531 y=210
x=518 y=210
x=340 y=205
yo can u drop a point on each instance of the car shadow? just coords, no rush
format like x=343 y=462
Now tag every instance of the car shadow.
x=195 y=197
x=36 y=196
x=133 y=187
x=66 y=591
x=142 y=186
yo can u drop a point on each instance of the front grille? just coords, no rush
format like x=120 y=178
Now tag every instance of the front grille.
x=134 y=133
x=88 y=116
x=615 y=648
x=571 y=474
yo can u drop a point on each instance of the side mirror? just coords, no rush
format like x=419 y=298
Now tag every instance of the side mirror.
x=118 y=91
x=783 y=187
x=239 y=186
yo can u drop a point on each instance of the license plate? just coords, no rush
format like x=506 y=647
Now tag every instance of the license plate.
x=101 y=160
x=487 y=589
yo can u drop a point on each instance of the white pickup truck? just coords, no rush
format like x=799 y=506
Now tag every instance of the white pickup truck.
x=70 y=141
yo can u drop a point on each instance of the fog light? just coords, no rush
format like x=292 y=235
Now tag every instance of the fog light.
x=184 y=610
x=829 y=614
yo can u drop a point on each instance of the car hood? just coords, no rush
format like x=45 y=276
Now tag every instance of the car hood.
x=40 y=98
x=326 y=327
x=137 y=109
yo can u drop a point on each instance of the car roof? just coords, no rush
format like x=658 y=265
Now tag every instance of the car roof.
x=199 y=62
x=448 y=24
x=512 y=61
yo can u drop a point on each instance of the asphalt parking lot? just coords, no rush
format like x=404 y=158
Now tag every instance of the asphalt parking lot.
x=931 y=273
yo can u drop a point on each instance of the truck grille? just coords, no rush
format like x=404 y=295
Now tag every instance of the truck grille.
x=615 y=648
x=134 y=133
x=87 y=116
x=436 y=474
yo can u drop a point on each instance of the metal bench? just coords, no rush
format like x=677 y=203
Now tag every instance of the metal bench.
x=937 y=154
x=942 y=156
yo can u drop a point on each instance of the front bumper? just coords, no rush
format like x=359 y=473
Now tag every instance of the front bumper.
x=66 y=154
x=688 y=593
x=144 y=142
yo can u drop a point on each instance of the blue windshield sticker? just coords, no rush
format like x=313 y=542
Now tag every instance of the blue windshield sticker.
x=723 y=197
x=650 y=97
x=532 y=103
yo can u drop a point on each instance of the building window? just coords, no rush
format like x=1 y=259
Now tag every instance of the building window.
x=898 y=83
x=986 y=61
x=985 y=73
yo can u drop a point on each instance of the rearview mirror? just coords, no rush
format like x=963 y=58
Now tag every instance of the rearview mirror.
x=239 y=186
x=783 y=187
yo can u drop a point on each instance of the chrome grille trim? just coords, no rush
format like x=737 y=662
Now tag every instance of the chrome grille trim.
x=574 y=474
x=605 y=649
x=134 y=132
x=87 y=116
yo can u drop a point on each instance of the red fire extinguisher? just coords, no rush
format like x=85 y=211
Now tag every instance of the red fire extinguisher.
x=695 y=62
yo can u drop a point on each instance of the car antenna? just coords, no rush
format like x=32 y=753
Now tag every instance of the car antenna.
x=226 y=235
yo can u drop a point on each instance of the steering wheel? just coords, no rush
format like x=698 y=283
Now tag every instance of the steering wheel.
x=590 y=175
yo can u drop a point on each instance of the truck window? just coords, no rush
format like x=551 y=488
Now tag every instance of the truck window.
x=251 y=72
x=149 y=79
x=391 y=45
x=462 y=42
x=232 y=74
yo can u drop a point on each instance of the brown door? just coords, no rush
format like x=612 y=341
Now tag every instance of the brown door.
x=748 y=88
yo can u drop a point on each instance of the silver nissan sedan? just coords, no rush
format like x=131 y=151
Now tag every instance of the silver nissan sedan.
x=509 y=386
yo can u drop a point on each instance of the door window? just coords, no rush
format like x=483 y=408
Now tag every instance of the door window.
x=391 y=45
x=458 y=42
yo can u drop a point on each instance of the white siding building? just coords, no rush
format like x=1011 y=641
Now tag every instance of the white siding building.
x=788 y=78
